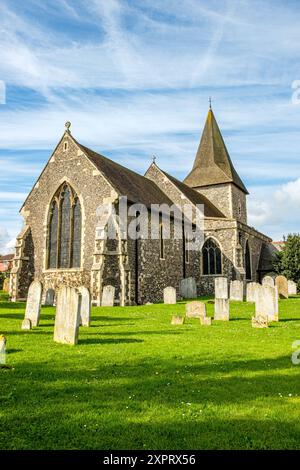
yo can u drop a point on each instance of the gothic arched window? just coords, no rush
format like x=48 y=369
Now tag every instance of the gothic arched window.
x=64 y=230
x=248 y=262
x=211 y=258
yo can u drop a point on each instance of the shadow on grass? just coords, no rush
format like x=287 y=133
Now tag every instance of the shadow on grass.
x=108 y=340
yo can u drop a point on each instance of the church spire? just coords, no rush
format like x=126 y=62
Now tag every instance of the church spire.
x=212 y=164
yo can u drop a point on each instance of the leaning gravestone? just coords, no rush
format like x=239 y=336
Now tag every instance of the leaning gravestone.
x=170 y=295
x=188 y=288
x=67 y=317
x=108 y=296
x=221 y=299
x=268 y=281
x=177 y=320
x=237 y=290
x=251 y=291
x=260 y=322
x=33 y=304
x=195 y=309
x=85 y=306
x=6 y=285
x=50 y=294
x=266 y=303
x=26 y=324
x=292 y=288
x=282 y=284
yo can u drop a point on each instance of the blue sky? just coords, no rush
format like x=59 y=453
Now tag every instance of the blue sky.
x=134 y=79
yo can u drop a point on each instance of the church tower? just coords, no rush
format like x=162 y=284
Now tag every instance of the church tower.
x=214 y=175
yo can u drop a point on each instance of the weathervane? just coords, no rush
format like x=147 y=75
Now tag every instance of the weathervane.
x=153 y=158
x=67 y=126
x=209 y=102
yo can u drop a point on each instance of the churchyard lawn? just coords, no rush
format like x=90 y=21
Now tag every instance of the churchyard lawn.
x=134 y=381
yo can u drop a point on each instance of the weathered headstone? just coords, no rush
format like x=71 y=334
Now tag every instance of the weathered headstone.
x=67 y=317
x=221 y=288
x=50 y=294
x=85 y=306
x=260 y=322
x=108 y=296
x=205 y=321
x=170 y=295
x=221 y=309
x=292 y=288
x=177 y=320
x=282 y=285
x=6 y=285
x=26 y=324
x=268 y=281
x=251 y=291
x=188 y=288
x=2 y=349
x=33 y=304
x=266 y=303
x=237 y=290
x=195 y=309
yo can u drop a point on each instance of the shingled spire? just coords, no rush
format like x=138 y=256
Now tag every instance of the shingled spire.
x=212 y=163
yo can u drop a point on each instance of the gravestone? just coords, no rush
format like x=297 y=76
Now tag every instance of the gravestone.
x=177 y=320
x=237 y=290
x=251 y=290
x=221 y=309
x=188 y=288
x=205 y=321
x=195 y=309
x=108 y=296
x=266 y=303
x=26 y=324
x=85 y=306
x=268 y=281
x=33 y=304
x=221 y=288
x=6 y=285
x=292 y=288
x=260 y=322
x=170 y=295
x=50 y=294
x=2 y=349
x=67 y=316
x=282 y=285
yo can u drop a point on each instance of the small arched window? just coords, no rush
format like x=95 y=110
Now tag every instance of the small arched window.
x=248 y=262
x=211 y=258
x=64 y=230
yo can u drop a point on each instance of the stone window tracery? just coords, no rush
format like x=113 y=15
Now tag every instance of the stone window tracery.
x=211 y=258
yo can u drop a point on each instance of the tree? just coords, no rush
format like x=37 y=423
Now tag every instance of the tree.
x=287 y=261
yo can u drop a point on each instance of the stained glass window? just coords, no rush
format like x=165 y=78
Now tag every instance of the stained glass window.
x=211 y=258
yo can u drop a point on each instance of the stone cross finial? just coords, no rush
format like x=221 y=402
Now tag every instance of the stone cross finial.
x=67 y=126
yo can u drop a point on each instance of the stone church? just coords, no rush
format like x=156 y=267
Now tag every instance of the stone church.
x=57 y=244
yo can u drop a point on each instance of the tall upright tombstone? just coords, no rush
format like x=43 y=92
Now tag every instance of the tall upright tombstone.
x=108 y=296
x=292 y=288
x=188 y=288
x=282 y=285
x=251 y=291
x=237 y=290
x=67 y=317
x=221 y=299
x=169 y=295
x=85 y=306
x=266 y=303
x=33 y=304
x=268 y=281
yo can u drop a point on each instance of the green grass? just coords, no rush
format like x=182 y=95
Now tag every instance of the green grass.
x=136 y=382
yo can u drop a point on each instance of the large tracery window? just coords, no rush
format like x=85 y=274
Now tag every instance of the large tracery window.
x=212 y=258
x=64 y=230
